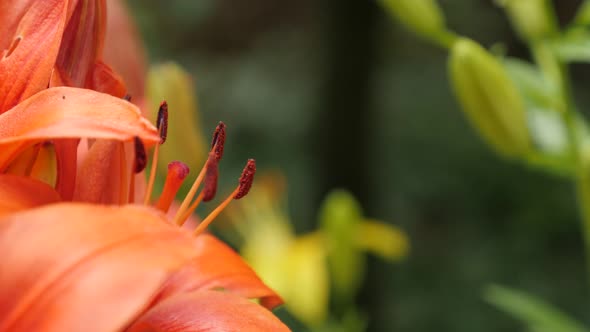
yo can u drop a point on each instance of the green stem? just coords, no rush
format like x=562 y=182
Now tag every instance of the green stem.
x=558 y=72
x=583 y=192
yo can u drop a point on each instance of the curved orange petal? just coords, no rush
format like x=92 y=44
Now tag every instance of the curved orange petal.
x=64 y=112
x=218 y=266
x=83 y=40
x=207 y=311
x=27 y=64
x=67 y=160
x=100 y=176
x=124 y=51
x=104 y=79
x=66 y=265
x=11 y=13
x=20 y=193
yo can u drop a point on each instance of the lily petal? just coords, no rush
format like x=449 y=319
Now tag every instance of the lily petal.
x=68 y=264
x=65 y=265
x=20 y=193
x=83 y=40
x=217 y=311
x=218 y=266
x=105 y=80
x=27 y=64
x=99 y=176
x=64 y=112
x=124 y=51
x=11 y=13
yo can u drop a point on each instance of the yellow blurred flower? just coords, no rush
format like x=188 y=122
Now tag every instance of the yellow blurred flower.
x=304 y=268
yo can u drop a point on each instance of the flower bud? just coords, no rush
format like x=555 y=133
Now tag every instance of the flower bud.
x=423 y=17
x=489 y=98
x=531 y=18
x=184 y=138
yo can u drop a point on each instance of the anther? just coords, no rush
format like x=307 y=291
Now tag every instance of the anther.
x=218 y=140
x=177 y=172
x=246 y=179
x=162 y=121
x=162 y=125
x=211 y=175
x=127 y=97
x=208 y=171
x=241 y=190
x=140 y=155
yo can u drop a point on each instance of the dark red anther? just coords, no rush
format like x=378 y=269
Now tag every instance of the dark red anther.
x=211 y=175
x=127 y=97
x=246 y=179
x=140 y=155
x=218 y=140
x=162 y=121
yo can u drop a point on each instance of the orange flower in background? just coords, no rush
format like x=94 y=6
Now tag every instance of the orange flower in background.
x=78 y=254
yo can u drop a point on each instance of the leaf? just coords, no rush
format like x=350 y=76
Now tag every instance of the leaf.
x=533 y=85
x=573 y=46
x=537 y=314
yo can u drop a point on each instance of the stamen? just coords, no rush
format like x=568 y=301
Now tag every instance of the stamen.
x=162 y=121
x=191 y=209
x=218 y=141
x=162 y=125
x=241 y=190
x=210 y=187
x=140 y=155
x=127 y=97
x=246 y=179
x=215 y=154
x=177 y=172
x=139 y=165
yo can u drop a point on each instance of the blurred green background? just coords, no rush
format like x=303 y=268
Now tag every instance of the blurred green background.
x=335 y=94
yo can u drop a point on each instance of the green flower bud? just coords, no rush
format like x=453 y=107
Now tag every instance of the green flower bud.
x=185 y=140
x=489 y=98
x=531 y=18
x=423 y=17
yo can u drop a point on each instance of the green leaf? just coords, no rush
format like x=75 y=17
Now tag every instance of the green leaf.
x=534 y=312
x=533 y=85
x=583 y=14
x=573 y=46
x=544 y=107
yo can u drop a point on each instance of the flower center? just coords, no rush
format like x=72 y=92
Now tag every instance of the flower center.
x=178 y=172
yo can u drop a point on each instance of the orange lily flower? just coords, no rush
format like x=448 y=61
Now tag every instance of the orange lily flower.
x=106 y=264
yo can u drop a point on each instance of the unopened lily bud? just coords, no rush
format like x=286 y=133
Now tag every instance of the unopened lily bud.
x=423 y=17
x=184 y=138
x=489 y=98
x=531 y=18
